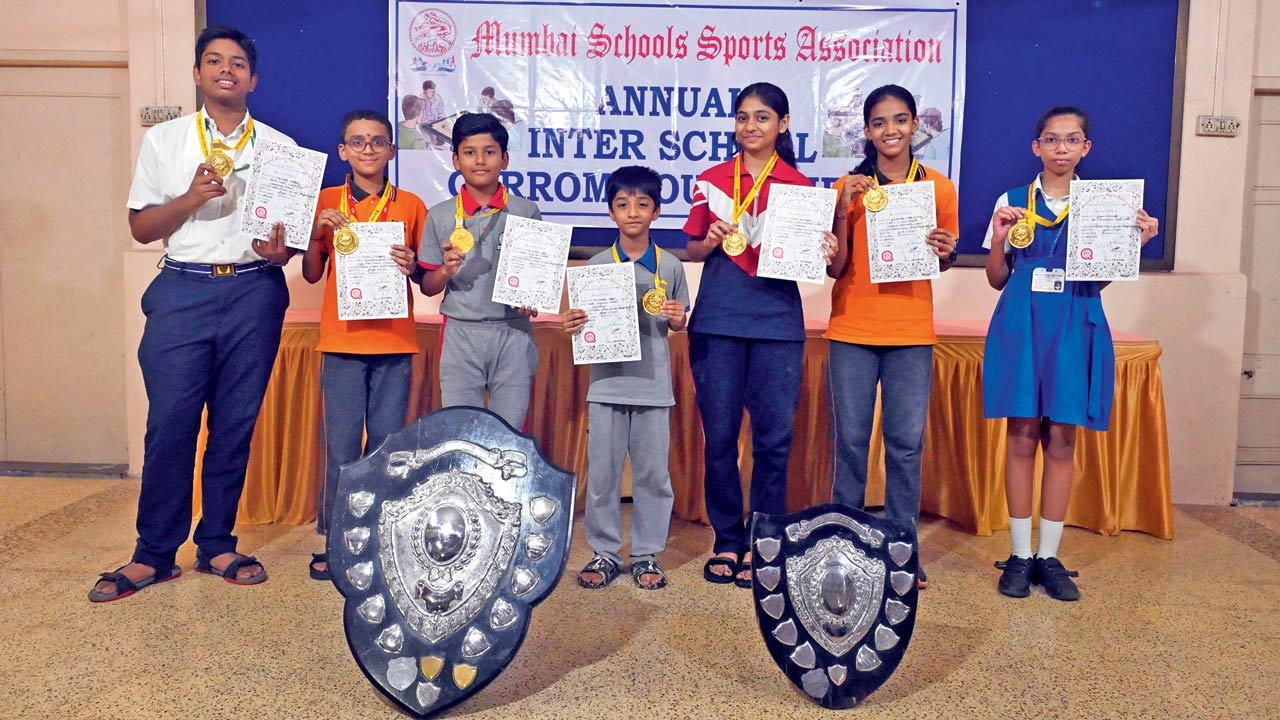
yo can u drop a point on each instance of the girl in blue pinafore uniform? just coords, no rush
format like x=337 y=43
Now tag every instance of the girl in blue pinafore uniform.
x=1049 y=365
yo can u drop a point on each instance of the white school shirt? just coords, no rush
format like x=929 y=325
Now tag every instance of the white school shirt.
x=1056 y=204
x=167 y=163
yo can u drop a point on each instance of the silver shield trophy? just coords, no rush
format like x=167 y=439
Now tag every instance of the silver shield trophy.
x=442 y=541
x=835 y=596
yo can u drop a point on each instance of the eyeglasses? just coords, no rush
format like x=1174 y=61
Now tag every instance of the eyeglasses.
x=358 y=144
x=1051 y=142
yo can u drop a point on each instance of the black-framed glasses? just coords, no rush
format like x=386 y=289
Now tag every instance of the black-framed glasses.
x=379 y=144
x=1051 y=142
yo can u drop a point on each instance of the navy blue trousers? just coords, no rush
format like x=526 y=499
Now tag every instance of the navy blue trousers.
x=209 y=342
x=731 y=373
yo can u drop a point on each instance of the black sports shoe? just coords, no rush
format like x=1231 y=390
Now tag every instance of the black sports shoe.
x=1056 y=579
x=1015 y=581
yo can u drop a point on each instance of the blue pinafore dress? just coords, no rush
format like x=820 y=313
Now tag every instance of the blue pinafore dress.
x=1048 y=355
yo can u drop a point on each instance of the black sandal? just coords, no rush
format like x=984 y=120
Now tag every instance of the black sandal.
x=316 y=573
x=648 y=567
x=126 y=587
x=743 y=567
x=231 y=572
x=717 y=561
x=607 y=568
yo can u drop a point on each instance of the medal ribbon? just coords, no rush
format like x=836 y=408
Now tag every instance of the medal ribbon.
x=658 y=282
x=1035 y=217
x=458 y=215
x=349 y=210
x=911 y=174
x=739 y=208
x=204 y=139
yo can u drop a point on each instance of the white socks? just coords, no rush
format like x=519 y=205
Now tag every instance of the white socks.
x=1020 y=530
x=1050 y=536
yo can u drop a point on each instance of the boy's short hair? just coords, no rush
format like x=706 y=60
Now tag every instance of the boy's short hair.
x=636 y=179
x=224 y=32
x=1059 y=110
x=428 y=84
x=487 y=92
x=469 y=124
x=373 y=115
x=411 y=106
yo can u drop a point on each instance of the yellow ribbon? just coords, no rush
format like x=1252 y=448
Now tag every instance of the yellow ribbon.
x=911 y=174
x=349 y=212
x=658 y=282
x=739 y=208
x=458 y=214
x=204 y=140
x=1035 y=217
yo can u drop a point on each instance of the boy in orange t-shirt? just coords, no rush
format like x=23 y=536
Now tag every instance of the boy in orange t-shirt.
x=367 y=363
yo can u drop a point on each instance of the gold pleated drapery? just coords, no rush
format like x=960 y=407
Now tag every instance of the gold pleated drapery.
x=1122 y=476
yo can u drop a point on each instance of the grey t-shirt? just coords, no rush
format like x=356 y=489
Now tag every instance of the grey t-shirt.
x=646 y=381
x=467 y=296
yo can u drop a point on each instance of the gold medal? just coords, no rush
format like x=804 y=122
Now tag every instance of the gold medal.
x=734 y=243
x=462 y=240
x=874 y=199
x=652 y=301
x=345 y=240
x=1021 y=234
x=221 y=163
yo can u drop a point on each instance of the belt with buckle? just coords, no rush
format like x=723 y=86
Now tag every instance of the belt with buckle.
x=217 y=271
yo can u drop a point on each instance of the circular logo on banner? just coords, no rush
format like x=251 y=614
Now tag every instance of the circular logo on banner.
x=261 y=212
x=589 y=336
x=887 y=256
x=356 y=294
x=513 y=281
x=433 y=32
x=777 y=252
x=1086 y=253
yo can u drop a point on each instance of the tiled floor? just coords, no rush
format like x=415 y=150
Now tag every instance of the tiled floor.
x=1182 y=629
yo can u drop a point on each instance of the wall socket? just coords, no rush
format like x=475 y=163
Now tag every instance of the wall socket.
x=156 y=114
x=1217 y=126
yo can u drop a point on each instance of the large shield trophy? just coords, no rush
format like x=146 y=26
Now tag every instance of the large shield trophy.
x=442 y=541
x=835 y=595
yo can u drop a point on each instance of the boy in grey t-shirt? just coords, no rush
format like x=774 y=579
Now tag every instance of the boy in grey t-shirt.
x=629 y=403
x=486 y=345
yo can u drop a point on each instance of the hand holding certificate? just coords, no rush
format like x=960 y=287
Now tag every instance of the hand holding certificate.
x=897 y=246
x=607 y=293
x=284 y=187
x=531 y=264
x=799 y=218
x=370 y=285
x=1103 y=239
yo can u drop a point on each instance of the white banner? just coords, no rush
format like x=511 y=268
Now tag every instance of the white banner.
x=586 y=87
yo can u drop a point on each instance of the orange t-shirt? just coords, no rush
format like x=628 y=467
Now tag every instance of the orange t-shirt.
x=370 y=337
x=897 y=313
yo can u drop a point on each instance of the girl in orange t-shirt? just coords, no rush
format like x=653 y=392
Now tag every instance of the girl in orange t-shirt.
x=882 y=334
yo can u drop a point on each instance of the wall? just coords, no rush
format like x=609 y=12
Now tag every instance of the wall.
x=1196 y=312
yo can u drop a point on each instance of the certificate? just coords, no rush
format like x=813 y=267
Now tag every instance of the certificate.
x=792 y=246
x=283 y=187
x=608 y=295
x=531 y=264
x=1103 y=239
x=370 y=285
x=896 y=246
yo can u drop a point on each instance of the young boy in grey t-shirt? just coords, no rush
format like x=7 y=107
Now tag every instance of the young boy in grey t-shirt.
x=629 y=403
x=486 y=345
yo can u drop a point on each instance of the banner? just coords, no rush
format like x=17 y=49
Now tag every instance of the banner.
x=586 y=87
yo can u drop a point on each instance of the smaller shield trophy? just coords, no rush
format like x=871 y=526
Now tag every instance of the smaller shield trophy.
x=442 y=541
x=835 y=595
